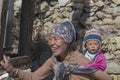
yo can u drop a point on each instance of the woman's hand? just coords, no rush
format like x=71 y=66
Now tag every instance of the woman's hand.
x=6 y=64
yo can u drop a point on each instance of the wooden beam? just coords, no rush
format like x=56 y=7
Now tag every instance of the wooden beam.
x=9 y=25
x=26 y=26
x=3 y=25
x=21 y=62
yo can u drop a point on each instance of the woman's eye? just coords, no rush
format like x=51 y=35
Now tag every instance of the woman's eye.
x=49 y=39
x=55 y=38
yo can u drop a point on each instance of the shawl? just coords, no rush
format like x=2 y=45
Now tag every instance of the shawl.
x=62 y=70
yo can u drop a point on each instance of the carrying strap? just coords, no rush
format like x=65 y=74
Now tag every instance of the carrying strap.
x=62 y=70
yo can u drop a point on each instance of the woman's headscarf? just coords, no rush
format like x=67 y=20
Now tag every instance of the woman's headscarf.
x=66 y=31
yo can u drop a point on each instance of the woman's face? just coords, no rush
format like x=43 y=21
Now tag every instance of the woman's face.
x=58 y=45
x=92 y=46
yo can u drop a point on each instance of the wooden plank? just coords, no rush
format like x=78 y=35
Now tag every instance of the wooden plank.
x=26 y=26
x=1 y=4
x=3 y=24
x=9 y=25
x=21 y=62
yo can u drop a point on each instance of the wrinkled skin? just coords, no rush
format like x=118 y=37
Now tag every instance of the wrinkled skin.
x=7 y=65
x=58 y=46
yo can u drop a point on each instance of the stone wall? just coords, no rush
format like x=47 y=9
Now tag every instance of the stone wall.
x=103 y=15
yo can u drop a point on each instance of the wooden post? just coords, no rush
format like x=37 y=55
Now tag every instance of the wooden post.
x=3 y=24
x=9 y=25
x=26 y=26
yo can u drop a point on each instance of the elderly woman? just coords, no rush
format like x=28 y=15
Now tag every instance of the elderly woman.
x=65 y=62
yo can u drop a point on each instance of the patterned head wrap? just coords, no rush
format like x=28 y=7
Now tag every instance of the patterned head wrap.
x=66 y=31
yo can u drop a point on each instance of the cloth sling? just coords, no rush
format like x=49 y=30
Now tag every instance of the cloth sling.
x=62 y=70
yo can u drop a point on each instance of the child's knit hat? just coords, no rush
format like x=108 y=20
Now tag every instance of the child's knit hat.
x=92 y=34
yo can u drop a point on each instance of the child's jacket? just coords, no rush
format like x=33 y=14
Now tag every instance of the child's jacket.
x=99 y=62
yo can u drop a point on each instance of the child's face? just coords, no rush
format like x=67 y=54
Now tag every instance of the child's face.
x=92 y=46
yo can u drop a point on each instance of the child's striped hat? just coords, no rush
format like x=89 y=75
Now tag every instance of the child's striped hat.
x=92 y=34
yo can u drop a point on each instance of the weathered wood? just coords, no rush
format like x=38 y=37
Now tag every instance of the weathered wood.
x=9 y=24
x=3 y=24
x=21 y=62
x=16 y=61
x=1 y=4
x=26 y=26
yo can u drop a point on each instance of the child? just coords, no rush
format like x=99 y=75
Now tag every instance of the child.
x=92 y=50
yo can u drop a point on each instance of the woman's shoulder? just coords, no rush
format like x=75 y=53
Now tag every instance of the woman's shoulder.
x=77 y=52
x=82 y=59
x=49 y=61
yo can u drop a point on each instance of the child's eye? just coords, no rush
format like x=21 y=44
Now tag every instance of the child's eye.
x=96 y=44
x=89 y=44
